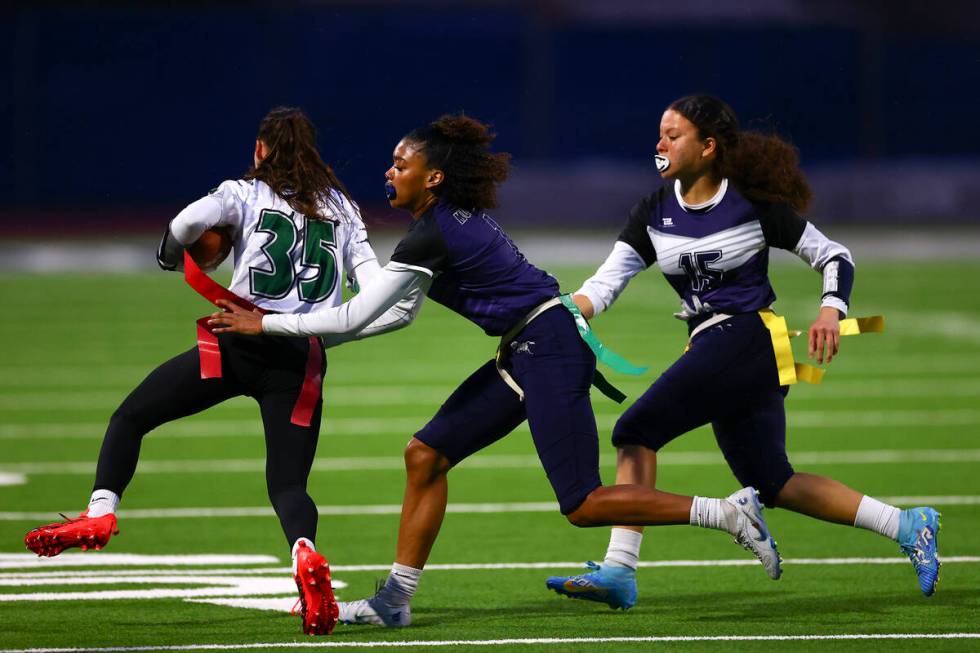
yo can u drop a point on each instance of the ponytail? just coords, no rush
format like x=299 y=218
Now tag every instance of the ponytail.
x=293 y=168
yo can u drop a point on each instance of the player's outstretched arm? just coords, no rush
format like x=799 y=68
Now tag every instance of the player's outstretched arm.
x=395 y=282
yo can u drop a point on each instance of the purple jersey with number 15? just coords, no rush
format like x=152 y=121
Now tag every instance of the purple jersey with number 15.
x=477 y=271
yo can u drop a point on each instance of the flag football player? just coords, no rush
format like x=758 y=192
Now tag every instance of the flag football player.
x=296 y=234
x=730 y=196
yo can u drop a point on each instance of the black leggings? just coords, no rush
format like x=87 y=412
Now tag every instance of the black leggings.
x=270 y=370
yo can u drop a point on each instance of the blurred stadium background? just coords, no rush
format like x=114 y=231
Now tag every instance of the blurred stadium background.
x=115 y=116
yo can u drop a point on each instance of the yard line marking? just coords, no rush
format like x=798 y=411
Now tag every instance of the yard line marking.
x=12 y=479
x=27 y=560
x=122 y=376
x=45 y=575
x=504 y=642
x=406 y=395
x=395 y=509
x=102 y=559
x=740 y=562
x=404 y=426
x=503 y=461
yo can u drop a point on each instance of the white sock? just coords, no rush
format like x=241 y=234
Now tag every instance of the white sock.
x=401 y=585
x=103 y=502
x=878 y=517
x=624 y=548
x=308 y=543
x=713 y=513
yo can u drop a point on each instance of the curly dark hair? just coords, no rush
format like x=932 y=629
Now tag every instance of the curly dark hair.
x=763 y=167
x=459 y=146
x=293 y=168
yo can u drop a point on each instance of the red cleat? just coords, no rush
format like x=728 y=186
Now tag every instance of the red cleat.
x=318 y=607
x=83 y=531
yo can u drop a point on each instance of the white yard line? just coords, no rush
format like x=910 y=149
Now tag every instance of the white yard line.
x=485 y=461
x=413 y=395
x=39 y=565
x=78 y=559
x=406 y=426
x=965 y=364
x=395 y=509
x=548 y=641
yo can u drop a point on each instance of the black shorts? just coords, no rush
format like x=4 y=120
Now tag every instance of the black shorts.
x=728 y=378
x=554 y=367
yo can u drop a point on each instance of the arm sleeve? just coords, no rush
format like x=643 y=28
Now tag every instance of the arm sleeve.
x=603 y=287
x=221 y=207
x=635 y=232
x=785 y=229
x=833 y=261
x=398 y=316
x=394 y=283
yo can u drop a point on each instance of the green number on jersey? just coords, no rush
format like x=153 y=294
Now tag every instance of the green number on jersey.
x=277 y=281
x=318 y=253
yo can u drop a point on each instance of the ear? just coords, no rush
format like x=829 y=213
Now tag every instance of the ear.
x=710 y=147
x=261 y=151
x=434 y=178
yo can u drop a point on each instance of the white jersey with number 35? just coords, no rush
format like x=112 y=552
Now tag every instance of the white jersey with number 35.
x=284 y=261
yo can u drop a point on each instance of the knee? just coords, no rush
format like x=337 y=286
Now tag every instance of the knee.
x=422 y=462
x=126 y=419
x=626 y=432
x=584 y=516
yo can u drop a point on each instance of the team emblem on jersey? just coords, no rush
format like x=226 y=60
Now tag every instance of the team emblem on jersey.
x=462 y=216
x=668 y=222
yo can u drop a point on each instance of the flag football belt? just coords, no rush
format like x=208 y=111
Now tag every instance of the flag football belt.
x=602 y=353
x=789 y=370
x=210 y=353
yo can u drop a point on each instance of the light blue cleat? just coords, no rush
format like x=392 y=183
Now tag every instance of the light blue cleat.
x=917 y=532
x=614 y=586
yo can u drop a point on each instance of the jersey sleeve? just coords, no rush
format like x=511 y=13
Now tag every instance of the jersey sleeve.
x=423 y=248
x=221 y=207
x=635 y=232
x=782 y=227
x=393 y=284
x=603 y=287
x=785 y=229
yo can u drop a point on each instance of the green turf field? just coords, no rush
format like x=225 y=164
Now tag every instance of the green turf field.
x=897 y=417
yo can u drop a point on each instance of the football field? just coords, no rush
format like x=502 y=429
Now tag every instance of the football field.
x=201 y=563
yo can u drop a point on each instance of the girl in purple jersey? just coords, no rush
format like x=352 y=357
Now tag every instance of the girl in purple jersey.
x=445 y=175
x=730 y=195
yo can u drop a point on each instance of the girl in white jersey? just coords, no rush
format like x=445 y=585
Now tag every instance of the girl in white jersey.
x=296 y=234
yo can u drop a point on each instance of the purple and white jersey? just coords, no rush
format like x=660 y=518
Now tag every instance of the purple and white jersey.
x=716 y=254
x=476 y=270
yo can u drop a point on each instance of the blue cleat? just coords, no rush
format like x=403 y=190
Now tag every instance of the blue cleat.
x=917 y=531
x=614 y=586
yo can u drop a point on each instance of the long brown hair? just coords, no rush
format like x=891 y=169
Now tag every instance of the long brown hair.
x=293 y=168
x=460 y=147
x=763 y=167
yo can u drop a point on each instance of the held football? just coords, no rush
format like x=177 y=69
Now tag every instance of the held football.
x=211 y=248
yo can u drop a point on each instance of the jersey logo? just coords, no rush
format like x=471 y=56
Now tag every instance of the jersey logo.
x=462 y=216
x=698 y=270
x=522 y=347
x=668 y=222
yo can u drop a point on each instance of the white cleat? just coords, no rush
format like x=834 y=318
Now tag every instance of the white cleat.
x=376 y=612
x=751 y=530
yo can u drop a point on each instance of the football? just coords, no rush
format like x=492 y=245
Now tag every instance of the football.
x=211 y=248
